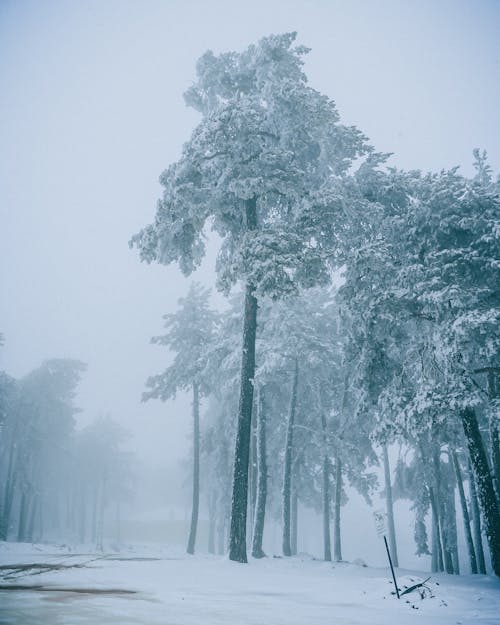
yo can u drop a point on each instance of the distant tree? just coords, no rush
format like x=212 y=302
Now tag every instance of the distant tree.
x=189 y=335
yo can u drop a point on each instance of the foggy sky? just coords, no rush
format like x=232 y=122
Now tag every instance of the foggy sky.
x=91 y=112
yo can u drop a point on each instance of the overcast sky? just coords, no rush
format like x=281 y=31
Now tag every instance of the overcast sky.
x=91 y=112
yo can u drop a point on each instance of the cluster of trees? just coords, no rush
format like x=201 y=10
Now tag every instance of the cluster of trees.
x=376 y=296
x=56 y=482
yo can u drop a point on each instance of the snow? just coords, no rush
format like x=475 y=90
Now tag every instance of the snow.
x=171 y=588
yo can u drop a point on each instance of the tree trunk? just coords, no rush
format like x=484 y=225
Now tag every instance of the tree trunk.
x=212 y=518
x=23 y=517
x=287 y=473
x=327 y=550
x=476 y=522
x=390 y=507
x=484 y=483
x=260 y=510
x=294 y=521
x=31 y=524
x=196 y=469
x=237 y=534
x=337 y=544
x=437 y=549
x=252 y=476
x=465 y=513
x=443 y=521
x=8 y=499
x=494 y=436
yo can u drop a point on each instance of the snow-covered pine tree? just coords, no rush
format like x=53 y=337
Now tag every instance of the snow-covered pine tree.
x=190 y=332
x=261 y=168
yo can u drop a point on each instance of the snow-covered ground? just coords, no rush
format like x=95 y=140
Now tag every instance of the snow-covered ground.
x=151 y=586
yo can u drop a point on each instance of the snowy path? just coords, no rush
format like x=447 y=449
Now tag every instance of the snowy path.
x=180 y=590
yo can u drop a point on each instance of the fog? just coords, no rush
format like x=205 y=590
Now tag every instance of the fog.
x=91 y=113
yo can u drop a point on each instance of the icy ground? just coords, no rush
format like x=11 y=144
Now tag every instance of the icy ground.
x=147 y=586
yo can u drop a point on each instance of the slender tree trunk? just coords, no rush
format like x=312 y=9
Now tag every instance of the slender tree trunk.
x=260 y=511
x=100 y=516
x=437 y=549
x=252 y=476
x=327 y=550
x=476 y=522
x=212 y=517
x=484 y=482
x=23 y=517
x=237 y=534
x=30 y=532
x=390 y=507
x=434 y=545
x=451 y=515
x=82 y=516
x=287 y=473
x=196 y=469
x=8 y=494
x=465 y=513
x=294 y=521
x=443 y=521
x=337 y=544
x=494 y=436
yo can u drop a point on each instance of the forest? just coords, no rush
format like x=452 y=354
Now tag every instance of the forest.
x=362 y=317
x=356 y=354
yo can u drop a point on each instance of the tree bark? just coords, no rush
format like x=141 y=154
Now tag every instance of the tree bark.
x=196 y=469
x=494 y=436
x=239 y=502
x=337 y=543
x=465 y=513
x=390 y=507
x=484 y=482
x=260 y=510
x=327 y=548
x=294 y=521
x=287 y=473
x=476 y=522
x=445 y=539
x=8 y=494
x=23 y=517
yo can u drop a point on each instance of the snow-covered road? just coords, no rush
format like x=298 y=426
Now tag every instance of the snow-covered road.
x=146 y=587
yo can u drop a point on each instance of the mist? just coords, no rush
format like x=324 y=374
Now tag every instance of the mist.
x=91 y=113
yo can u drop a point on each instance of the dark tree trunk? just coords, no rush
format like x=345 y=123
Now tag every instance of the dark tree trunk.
x=451 y=520
x=465 y=513
x=494 y=436
x=327 y=548
x=294 y=521
x=23 y=517
x=252 y=476
x=476 y=522
x=260 y=510
x=390 y=507
x=337 y=543
x=484 y=483
x=30 y=532
x=443 y=521
x=239 y=503
x=196 y=469
x=212 y=517
x=437 y=549
x=8 y=495
x=287 y=473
